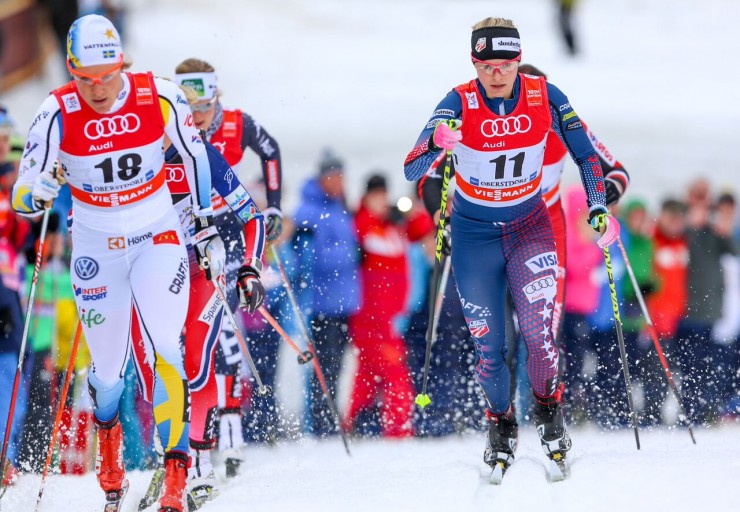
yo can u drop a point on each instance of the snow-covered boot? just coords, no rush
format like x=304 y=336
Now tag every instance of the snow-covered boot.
x=548 y=417
x=230 y=441
x=109 y=463
x=503 y=433
x=109 y=458
x=175 y=481
x=201 y=479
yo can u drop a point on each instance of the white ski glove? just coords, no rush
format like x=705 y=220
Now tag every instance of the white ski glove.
x=46 y=187
x=209 y=248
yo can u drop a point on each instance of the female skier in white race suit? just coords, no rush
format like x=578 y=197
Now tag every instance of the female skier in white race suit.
x=129 y=261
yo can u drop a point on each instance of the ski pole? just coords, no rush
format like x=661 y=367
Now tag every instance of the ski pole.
x=303 y=356
x=422 y=399
x=656 y=341
x=441 y=297
x=60 y=410
x=24 y=339
x=311 y=347
x=262 y=390
x=620 y=338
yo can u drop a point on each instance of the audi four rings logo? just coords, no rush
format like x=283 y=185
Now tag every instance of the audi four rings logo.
x=506 y=126
x=109 y=126
x=540 y=284
x=175 y=173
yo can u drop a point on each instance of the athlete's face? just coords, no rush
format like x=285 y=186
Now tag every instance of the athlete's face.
x=203 y=113
x=99 y=85
x=497 y=76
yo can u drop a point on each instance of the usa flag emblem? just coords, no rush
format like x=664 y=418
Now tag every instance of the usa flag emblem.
x=478 y=328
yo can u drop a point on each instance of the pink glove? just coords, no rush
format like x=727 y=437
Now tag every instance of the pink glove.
x=608 y=226
x=445 y=137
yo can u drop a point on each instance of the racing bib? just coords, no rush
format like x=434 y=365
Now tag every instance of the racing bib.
x=499 y=161
x=113 y=160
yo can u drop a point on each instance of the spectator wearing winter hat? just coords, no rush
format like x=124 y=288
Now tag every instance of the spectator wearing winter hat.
x=698 y=354
x=667 y=303
x=327 y=257
x=383 y=377
x=638 y=242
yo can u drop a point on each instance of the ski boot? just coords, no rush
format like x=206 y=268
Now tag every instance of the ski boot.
x=230 y=441
x=201 y=479
x=109 y=463
x=175 y=481
x=503 y=432
x=548 y=417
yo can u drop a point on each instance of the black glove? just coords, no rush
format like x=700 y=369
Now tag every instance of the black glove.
x=273 y=223
x=209 y=248
x=249 y=287
x=614 y=191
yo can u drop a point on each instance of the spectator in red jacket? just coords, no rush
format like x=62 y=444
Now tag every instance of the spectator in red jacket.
x=383 y=374
x=667 y=304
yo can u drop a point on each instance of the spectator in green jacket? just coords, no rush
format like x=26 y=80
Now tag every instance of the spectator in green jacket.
x=640 y=251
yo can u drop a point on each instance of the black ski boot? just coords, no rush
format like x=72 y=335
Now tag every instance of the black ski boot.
x=503 y=432
x=548 y=416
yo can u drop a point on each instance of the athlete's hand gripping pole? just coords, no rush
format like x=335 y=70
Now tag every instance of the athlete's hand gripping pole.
x=60 y=410
x=24 y=339
x=249 y=288
x=311 y=347
x=46 y=187
x=262 y=390
x=209 y=248
x=683 y=417
x=620 y=339
x=422 y=399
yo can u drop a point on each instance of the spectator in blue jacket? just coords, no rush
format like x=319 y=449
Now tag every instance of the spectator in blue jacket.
x=328 y=262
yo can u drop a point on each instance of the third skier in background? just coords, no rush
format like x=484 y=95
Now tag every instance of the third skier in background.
x=232 y=132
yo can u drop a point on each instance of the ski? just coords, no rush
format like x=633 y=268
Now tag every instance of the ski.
x=499 y=470
x=154 y=489
x=557 y=468
x=199 y=495
x=114 y=499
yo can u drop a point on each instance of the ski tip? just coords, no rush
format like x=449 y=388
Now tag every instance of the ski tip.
x=497 y=475
x=557 y=470
x=422 y=400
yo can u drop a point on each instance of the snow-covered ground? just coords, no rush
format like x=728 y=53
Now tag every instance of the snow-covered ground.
x=608 y=474
x=656 y=80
